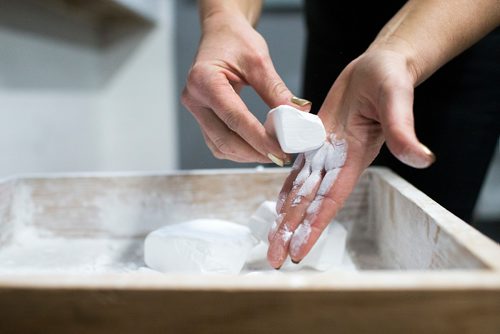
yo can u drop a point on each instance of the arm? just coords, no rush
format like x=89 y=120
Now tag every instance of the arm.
x=233 y=54
x=249 y=9
x=371 y=102
x=429 y=33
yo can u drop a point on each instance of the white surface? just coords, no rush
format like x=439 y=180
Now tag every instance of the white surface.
x=262 y=219
x=27 y=249
x=76 y=107
x=202 y=246
x=327 y=254
x=329 y=250
x=31 y=253
x=297 y=131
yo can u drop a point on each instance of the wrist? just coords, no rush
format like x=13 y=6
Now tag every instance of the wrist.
x=407 y=54
x=217 y=20
x=216 y=12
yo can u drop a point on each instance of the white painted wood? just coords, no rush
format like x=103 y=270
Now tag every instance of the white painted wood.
x=415 y=258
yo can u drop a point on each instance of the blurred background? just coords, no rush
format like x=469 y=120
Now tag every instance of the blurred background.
x=95 y=85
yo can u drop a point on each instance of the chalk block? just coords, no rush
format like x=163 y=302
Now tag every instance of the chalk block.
x=297 y=131
x=262 y=219
x=327 y=252
x=329 y=249
x=199 y=246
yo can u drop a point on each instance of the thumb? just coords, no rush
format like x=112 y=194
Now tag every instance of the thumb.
x=268 y=84
x=396 y=116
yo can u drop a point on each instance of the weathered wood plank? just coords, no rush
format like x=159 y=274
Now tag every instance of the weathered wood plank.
x=108 y=311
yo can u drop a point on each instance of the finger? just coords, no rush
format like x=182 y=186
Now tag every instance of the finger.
x=303 y=192
x=329 y=199
x=268 y=84
x=288 y=194
x=284 y=194
x=396 y=104
x=219 y=155
x=224 y=143
x=287 y=186
x=215 y=151
x=229 y=107
x=293 y=216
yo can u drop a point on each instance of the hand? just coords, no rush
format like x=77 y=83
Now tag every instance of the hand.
x=232 y=54
x=371 y=101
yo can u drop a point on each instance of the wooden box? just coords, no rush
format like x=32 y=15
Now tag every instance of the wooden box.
x=69 y=244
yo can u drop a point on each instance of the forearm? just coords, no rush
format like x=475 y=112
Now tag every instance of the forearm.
x=429 y=33
x=248 y=9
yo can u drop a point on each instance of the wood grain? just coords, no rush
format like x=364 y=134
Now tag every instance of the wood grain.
x=108 y=311
x=423 y=269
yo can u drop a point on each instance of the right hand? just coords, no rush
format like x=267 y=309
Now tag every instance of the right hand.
x=233 y=54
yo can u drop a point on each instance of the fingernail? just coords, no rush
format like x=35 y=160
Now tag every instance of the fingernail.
x=295 y=262
x=416 y=160
x=429 y=153
x=275 y=159
x=300 y=102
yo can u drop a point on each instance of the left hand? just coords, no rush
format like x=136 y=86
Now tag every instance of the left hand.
x=370 y=102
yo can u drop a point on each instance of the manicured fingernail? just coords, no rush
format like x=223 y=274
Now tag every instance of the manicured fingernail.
x=300 y=102
x=275 y=159
x=429 y=153
x=416 y=160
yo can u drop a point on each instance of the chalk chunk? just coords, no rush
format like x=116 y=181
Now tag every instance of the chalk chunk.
x=199 y=246
x=329 y=249
x=297 y=131
x=327 y=252
x=261 y=220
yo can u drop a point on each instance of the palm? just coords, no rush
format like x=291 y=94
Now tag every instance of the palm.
x=368 y=103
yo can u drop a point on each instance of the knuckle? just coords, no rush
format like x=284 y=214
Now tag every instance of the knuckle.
x=197 y=75
x=215 y=151
x=278 y=88
x=218 y=155
x=233 y=120
x=393 y=84
x=259 y=59
x=196 y=71
x=222 y=146
x=186 y=98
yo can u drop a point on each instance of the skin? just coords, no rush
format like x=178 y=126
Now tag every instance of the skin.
x=371 y=102
x=218 y=74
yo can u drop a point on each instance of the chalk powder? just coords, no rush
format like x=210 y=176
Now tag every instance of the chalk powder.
x=328 y=159
x=29 y=252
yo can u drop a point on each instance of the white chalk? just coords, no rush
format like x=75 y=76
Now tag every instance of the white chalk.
x=199 y=246
x=328 y=252
x=329 y=249
x=297 y=131
x=262 y=219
